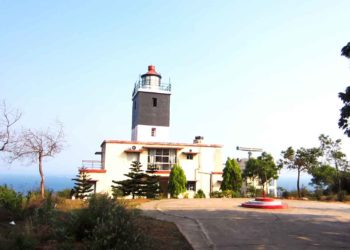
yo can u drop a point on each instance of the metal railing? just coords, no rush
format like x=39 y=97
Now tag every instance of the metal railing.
x=160 y=166
x=91 y=164
x=142 y=85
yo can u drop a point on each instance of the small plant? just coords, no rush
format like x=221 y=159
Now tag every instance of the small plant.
x=199 y=194
x=228 y=193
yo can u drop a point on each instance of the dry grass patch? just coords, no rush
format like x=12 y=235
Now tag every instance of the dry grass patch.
x=163 y=234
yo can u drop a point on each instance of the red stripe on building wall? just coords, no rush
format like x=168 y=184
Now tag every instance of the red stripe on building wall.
x=102 y=171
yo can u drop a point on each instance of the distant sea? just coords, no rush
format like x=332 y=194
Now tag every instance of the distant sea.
x=24 y=183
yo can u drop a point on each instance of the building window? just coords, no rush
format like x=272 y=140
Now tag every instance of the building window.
x=153 y=132
x=189 y=157
x=191 y=186
x=162 y=158
x=154 y=100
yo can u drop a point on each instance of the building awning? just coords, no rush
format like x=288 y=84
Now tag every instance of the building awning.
x=190 y=153
x=133 y=151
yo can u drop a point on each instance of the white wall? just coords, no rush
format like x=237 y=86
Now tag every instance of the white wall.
x=144 y=133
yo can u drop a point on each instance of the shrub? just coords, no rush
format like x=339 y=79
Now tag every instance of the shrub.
x=228 y=193
x=177 y=181
x=117 y=192
x=11 y=200
x=251 y=191
x=199 y=194
x=104 y=224
x=216 y=194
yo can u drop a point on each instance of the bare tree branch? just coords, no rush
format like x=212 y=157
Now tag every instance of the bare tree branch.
x=34 y=145
x=7 y=120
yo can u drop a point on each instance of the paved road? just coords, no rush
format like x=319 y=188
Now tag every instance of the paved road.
x=223 y=224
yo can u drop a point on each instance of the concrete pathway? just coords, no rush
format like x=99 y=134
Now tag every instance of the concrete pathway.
x=223 y=224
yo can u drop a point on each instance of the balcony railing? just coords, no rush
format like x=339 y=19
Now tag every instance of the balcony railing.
x=160 y=166
x=91 y=164
x=142 y=85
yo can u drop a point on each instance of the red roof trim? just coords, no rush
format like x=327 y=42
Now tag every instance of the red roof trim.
x=155 y=144
x=216 y=172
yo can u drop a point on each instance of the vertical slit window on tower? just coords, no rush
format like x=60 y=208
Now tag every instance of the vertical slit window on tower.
x=153 y=132
x=154 y=100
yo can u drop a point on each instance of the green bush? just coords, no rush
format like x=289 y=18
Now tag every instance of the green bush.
x=199 y=194
x=177 y=181
x=104 y=224
x=216 y=194
x=11 y=200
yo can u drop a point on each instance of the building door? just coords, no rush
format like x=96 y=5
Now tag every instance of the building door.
x=163 y=183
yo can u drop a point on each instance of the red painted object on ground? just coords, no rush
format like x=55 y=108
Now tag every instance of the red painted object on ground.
x=264 y=203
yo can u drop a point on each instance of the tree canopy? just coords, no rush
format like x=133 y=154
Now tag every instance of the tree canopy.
x=262 y=168
x=177 y=181
x=303 y=160
x=82 y=185
x=343 y=122
x=232 y=176
x=345 y=51
x=135 y=183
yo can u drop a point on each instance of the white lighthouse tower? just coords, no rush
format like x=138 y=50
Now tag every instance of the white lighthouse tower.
x=151 y=108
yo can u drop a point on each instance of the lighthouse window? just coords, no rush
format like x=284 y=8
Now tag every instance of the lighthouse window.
x=153 y=132
x=154 y=100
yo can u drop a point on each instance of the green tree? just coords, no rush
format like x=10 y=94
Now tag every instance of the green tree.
x=82 y=185
x=262 y=168
x=345 y=51
x=334 y=157
x=303 y=160
x=232 y=176
x=324 y=177
x=177 y=181
x=343 y=122
x=136 y=183
x=152 y=188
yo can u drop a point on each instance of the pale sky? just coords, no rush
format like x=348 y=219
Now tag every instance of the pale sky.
x=244 y=73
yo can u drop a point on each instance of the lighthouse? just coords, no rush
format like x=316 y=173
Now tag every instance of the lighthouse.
x=151 y=108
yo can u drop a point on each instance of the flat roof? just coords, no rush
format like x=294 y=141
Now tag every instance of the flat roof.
x=162 y=144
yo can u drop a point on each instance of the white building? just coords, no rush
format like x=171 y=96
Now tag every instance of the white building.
x=202 y=163
x=149 y=144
